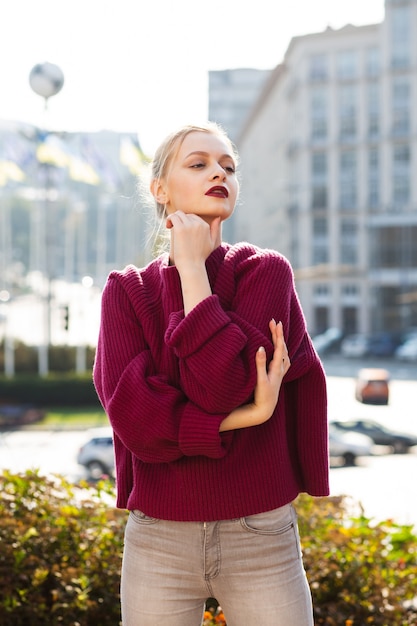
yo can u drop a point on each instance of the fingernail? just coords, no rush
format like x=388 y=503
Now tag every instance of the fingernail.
x=261 y=349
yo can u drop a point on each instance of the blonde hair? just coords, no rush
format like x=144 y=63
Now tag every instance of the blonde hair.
x=169 y=147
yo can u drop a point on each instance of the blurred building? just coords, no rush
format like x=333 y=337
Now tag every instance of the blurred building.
x=232 y=94
x=329 y=170
x=69 y=204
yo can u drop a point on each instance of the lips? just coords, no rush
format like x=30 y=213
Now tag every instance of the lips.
x=218 y=192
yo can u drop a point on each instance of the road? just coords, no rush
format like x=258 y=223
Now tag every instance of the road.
x=385 y=485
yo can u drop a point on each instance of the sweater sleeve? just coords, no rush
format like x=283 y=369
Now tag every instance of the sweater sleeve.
x=306 y=420
x=221 y=336
x=151 y=417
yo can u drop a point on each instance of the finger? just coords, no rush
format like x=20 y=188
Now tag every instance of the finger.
x=280 y=340
x=272 y=325
x=260 y=360
x=277 y=333
x=280 y=362
x=273 y=331
x=173 y=219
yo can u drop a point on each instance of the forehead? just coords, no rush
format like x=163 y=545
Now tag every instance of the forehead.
x=210 y=143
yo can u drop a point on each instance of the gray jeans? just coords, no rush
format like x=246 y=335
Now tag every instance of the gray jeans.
x=251 y=565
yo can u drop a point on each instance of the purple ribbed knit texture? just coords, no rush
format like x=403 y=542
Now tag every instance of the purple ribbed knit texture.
x=167 y=381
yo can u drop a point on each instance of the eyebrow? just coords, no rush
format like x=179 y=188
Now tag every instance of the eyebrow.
x=202 y=153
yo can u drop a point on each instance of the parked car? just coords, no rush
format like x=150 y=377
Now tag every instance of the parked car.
x=354 y=346
x=327 y=340
x=15 y=415
x=407 y=351
x=372 y=386
x=97 y=454
x=348 y=446
x=410 y=333
x=398 y=441
x=382 y=344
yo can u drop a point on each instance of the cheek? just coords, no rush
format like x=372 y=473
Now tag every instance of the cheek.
x=235 y=195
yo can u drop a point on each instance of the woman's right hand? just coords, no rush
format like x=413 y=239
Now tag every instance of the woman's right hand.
x=267 y=387
x=192 y=239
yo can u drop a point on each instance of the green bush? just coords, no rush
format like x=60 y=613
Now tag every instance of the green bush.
x=60 y=553
x=51 y=390
x=361 y=572
x=61 y=548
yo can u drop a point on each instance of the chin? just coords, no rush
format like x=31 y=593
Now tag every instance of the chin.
x=224 y=215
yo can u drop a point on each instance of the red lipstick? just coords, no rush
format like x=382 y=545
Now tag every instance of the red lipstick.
x=218 y=192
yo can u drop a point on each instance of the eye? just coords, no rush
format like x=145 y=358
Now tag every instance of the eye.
x=197 y=165
x=229 y=168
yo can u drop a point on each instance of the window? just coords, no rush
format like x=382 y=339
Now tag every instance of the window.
x=400 y=175
x=347 y=111
x=373 y=108
x=318 y=113
x=348 y=242
x=400 y=191
x=394 y=246
x=319 y=196
x=347 y=64
x=318 y=129
x=373 y=62
x=319 y=165
x=401 y=97
x=318 y=67
x=373 y=178
x=401 y=157
x=318 y=102
x=320 y=254
x=321 y=318
x=321 y=289
x=347 y=179
x=373 y=160
x=320 y=227
x=350 y=290
x=348 y=196
x=400 y=36
x=319 y=180
x=373 y=193
x=320 y=240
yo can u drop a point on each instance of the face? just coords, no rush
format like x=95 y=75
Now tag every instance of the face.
x=201 y=178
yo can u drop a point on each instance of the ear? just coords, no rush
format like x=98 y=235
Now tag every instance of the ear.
x=158 y=191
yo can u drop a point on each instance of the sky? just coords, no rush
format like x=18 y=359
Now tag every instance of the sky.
x=142 y=65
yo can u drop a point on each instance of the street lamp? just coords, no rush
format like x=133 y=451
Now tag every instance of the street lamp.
x=46 y=80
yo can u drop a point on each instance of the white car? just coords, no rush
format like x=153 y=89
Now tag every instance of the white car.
x=354 y=346
x=326 y=340
x=97 y=454
x=408 y=350
x=348 y=446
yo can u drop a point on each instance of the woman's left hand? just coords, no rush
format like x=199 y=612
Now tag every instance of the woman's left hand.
x=269 y=379
x=267 y=388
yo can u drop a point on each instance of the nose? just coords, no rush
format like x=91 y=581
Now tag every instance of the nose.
x=218 y=172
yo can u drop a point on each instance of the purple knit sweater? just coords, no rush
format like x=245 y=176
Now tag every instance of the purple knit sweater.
x=166 y=382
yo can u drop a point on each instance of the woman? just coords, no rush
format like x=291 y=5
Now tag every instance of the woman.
x=207 y=464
